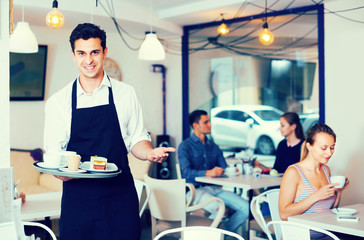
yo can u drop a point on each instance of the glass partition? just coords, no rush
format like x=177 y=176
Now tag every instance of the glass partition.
x=246 y=86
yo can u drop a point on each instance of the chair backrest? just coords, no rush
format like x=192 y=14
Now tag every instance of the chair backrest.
x=200 y=233
x=178 y=171
x=141 y=187
x=167 y=199
x=138 y=167
x=8 y=230
x=41 y=226
x=293 y=230
x=271 y=197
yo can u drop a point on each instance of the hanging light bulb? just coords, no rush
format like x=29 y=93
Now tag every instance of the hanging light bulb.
x=223 y=28
x=55 y=18
x=23 y=40
x=151 y=48
x=266 y=37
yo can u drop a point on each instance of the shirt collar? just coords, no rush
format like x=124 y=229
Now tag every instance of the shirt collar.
x=105 y=82
x=196 y=139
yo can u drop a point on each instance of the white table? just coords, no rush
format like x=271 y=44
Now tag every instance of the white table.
x=242 y=181
x=247 y=182
x=327 y=220
x=41 y=206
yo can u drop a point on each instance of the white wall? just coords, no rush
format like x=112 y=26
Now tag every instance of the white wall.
x=4 y=85
x=344 y=51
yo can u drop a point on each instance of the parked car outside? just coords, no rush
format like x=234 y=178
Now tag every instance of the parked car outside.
x=247 y=126
x=308 y=120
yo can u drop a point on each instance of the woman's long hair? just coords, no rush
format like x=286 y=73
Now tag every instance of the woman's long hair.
x=293 y=118
x=317 y=128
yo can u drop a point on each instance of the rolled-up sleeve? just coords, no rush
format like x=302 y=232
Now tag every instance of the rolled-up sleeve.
x=135 y=128
x=56 y=124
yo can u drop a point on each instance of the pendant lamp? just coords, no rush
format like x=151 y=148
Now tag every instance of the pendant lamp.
x=55 y=18
x=23 y=40
x=223 y=29
x=151 y=48
x=266 y=37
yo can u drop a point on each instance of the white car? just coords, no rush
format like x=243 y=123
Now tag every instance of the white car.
x=247 y=126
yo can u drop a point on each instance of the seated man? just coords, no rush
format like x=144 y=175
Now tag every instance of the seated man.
x=200 y=157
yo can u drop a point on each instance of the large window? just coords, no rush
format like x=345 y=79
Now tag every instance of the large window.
x=246 y=86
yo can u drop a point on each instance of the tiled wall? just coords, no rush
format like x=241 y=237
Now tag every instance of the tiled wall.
x=6 y=194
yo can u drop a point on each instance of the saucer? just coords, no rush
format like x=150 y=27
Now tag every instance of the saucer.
x=344 y=211
x=65 y=169
x=43 y=165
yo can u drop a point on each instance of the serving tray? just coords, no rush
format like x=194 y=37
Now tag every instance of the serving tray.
x=76 y=174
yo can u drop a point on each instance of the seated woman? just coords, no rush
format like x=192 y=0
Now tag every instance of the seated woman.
x=289 y=149
x=306 y=186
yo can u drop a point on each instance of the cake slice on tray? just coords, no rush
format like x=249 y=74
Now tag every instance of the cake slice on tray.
x=98 y=163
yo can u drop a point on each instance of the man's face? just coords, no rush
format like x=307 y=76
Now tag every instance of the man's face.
x=204 y=125
x=89 y=57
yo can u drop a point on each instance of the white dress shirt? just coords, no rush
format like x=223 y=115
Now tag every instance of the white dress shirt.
x=58 y=112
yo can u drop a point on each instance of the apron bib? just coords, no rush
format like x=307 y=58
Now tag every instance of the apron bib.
x=100 y=208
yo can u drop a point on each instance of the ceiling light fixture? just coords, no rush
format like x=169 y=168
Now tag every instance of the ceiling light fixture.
x=223 y=29
x=55 y=18
x=151 y=48
x=266 y=37
x=23 y=40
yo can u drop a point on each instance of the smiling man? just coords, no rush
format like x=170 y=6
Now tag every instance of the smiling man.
x=98 y=115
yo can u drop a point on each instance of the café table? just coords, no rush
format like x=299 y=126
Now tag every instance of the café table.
x=327 y=220
x=42 y=206
x=247 y=182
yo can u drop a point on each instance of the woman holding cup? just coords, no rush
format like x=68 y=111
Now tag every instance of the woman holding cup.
x=306 y=186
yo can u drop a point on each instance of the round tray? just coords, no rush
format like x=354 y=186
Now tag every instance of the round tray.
x=76 y=174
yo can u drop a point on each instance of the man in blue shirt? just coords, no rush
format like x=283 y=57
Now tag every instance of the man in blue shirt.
x=198 y=156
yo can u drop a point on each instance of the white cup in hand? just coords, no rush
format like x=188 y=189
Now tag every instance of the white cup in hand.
x=230 y=171
x=338 y=179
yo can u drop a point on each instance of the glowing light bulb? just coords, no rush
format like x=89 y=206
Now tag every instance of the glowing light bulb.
x=55 y=18
x=266 y=37
x=223 y=29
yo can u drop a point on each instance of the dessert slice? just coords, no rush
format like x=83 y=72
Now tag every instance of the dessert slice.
x=98 y=163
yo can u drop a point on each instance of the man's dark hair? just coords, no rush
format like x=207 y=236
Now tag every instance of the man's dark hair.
x=195 y=116
x=87 y=31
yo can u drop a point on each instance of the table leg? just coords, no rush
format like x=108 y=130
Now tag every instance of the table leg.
x=250 y=197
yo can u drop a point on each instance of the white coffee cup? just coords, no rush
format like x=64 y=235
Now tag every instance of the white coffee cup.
x=231 y=171
x=52 y=160
x=338 y=179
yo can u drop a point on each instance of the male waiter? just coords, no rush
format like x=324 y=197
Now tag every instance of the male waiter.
x=97 y=115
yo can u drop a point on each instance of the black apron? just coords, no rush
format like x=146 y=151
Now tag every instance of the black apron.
x=100 y=208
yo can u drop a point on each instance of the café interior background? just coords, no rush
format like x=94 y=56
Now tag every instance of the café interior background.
x=22 y=122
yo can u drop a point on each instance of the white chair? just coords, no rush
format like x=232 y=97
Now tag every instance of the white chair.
x=293 y=230
x=168 y=208
x=141 y=187
x=8 y=230
x=271 y=197
x=200 y=233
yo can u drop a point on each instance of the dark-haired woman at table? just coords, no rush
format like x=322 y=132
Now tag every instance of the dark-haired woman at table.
x=289 y=149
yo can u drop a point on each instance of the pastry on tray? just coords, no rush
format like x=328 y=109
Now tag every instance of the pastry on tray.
x=98 y=163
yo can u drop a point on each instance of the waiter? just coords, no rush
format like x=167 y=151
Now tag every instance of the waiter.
x=97 y=115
